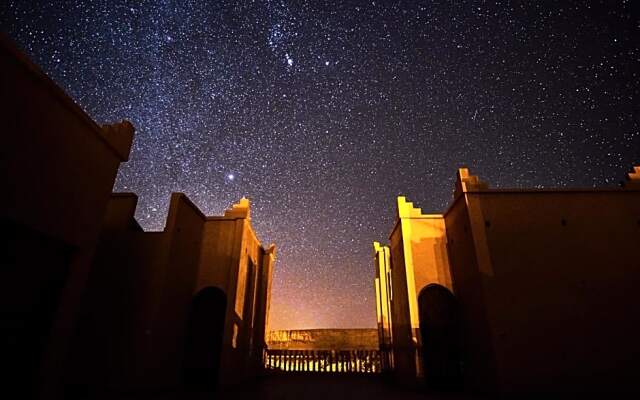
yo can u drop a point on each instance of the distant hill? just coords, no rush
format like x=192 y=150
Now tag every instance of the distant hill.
x=324 y=339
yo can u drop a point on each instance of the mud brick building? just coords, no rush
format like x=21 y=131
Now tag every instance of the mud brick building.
x=514 y=290
x=90 y=303
x=57 y=169
x=168 y=308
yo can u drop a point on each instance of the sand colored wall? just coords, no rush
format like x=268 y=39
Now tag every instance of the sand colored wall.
x=138 y=299
x=418 y=258
x=54 y=187
x=145 y=282
x=118 y=332
x=546 y=281
x=239 y=353
x=382 y=282
x=561 y=290
x=57 y=168
x=174 y=290
x=479 y=363
x=220 y=246
x=404 y=344
x=430 y=259
x=263 y=303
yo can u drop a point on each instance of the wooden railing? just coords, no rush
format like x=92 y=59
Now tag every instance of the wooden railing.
x=342 y=361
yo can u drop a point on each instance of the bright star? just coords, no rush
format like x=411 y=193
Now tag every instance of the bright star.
x=230 y=177
x=289 y=60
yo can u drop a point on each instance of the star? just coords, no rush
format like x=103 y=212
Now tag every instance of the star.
x=223 y=107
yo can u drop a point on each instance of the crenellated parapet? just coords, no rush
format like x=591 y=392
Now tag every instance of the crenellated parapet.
x=271 y=250
x=382 y=283
x=406 y=209
x=633 y=178
x=468 y=183
x=120 y=137
x=240 y=209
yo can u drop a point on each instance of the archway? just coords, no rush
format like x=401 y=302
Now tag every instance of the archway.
x=203 y=345
x=440 y=331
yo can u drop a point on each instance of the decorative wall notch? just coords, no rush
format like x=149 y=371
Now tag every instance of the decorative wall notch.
x=120 y=137
x=378 y=249
x=271 y=250
x=406 y=209
x=468 y=183
x=240 y=209
x=633 y=178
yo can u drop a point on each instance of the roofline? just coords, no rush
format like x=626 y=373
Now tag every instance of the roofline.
x=541 y=191
x=7 y=45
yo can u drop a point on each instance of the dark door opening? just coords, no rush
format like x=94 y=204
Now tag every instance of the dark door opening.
x=440 y=331
x=34 y=268
x=204 y=339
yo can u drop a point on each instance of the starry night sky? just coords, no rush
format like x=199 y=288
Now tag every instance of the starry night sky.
x=323 y=113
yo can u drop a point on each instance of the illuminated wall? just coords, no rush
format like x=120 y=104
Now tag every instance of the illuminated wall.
x=383 y=303
x=142 y=290
x=415 y=257
x=545 y=280
x=547 y=285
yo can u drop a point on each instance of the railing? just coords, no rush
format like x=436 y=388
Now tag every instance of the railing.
x=341 y=361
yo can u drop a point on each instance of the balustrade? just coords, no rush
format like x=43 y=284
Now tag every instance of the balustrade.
x=337 y=361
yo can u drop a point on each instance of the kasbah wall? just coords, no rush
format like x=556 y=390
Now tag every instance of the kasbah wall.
x=159 y=273
x=545 y=283
x=51 y=209
x=91 y=302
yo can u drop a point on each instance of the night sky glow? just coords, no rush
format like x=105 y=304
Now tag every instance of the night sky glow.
x=322 y=113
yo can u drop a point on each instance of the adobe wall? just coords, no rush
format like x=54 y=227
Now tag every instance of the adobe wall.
x=173 y=293
x=220 y=247
x=561 y=292
x=137 y=303
x=429 y=248
x=58 y=167
x=149 y=279
x=382 y=261
x=114 y=339
x=403 y=345
x=134 y=296
x=120 y=301
x=418 y=247
x=55 y=188
x=479 y=364
x=247 y=326
x=263 y=303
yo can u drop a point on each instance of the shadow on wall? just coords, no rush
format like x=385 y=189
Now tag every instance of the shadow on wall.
x=203 y=346
x=440 y=332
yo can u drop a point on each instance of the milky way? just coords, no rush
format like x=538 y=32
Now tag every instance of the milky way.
x=322 y=113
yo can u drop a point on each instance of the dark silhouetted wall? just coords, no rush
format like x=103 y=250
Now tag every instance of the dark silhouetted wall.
x=57 y=169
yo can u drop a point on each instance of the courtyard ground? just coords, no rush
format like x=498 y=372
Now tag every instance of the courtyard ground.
x=309 y=387
x=329 y=387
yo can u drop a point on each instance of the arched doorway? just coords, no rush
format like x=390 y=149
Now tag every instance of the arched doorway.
x=440 y=331
x=203 y=345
